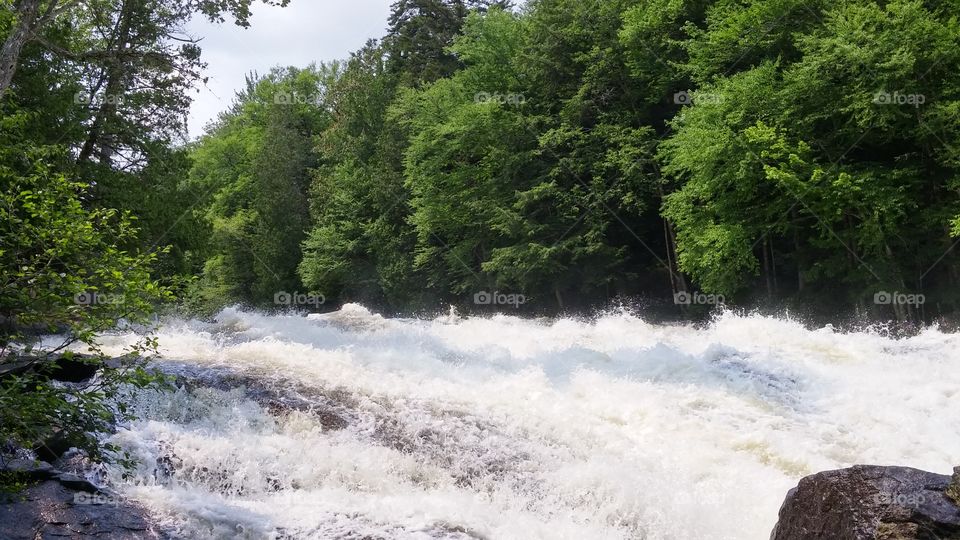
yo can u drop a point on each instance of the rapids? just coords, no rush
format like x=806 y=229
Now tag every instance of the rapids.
x=351 y=425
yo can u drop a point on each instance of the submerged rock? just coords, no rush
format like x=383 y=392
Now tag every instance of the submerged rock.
x=870 y=502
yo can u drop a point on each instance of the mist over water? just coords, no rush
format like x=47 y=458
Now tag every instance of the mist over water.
x=350 y=425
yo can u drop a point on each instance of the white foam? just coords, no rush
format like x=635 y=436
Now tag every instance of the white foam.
x=503 y=427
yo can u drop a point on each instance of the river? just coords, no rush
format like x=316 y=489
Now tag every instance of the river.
x=351 y=425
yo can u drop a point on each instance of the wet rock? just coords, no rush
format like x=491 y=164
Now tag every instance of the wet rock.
x=52 y=510
x=458 y=532
x=56 y=445
x=72 y=368
x=77 y=369
x=870 y=502
x=77 y=483
x=167 y=464
x=29 y=469
x=334 y=409
x=77 y=462
x=329 y=420
x=15 y=366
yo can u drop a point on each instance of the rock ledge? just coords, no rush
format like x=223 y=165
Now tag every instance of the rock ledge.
x=65 y=505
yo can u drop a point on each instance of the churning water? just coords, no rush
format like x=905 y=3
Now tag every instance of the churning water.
x=350 y=425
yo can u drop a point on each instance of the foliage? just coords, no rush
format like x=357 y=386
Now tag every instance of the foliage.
x=573 y=152
x=254 y=168
x=64 y=275
x=827 y=144
x=578 y=150
x=93 y=100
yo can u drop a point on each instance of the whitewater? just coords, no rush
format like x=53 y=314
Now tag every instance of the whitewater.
x=352 y=425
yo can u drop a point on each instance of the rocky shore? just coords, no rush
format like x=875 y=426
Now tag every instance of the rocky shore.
x=58 y=500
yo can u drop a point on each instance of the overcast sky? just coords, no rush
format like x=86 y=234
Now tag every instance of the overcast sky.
x=305 y=31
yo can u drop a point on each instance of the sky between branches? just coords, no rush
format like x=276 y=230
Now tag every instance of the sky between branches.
x=305 y=31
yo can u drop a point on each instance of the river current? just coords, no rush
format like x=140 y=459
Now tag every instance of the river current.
x=350 y=425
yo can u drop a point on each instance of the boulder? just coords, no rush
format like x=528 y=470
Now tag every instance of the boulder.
x=74 y=369
x=953 y=491
x=870 y=502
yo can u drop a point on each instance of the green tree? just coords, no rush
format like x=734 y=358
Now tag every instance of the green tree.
x=801 y=156
x=420 y=32
x=255 y=164
x=64 y=275
x=360 y=248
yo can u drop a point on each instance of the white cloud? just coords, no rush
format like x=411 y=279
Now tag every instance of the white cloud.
x=305 y=31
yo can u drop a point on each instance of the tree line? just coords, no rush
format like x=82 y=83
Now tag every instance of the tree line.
x=779 y=152
x=569 y=153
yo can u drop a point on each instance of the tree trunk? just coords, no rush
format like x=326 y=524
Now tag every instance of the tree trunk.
x=773 y=267
x=677 y=282
x=115 y=86
x=27 y=11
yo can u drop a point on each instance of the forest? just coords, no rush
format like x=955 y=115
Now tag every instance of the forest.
x=553 y=156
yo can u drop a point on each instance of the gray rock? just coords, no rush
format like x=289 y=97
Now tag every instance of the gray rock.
x=31 y=469
x=74 y=482
x=52 y=448
x=50 y=510
x=869 y=502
